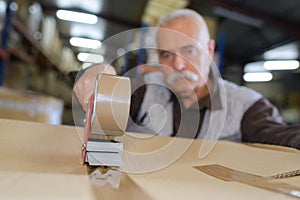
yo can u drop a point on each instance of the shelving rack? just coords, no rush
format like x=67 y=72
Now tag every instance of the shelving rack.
x=30 y=54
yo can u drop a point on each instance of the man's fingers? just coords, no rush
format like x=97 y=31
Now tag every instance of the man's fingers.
x=84 y=87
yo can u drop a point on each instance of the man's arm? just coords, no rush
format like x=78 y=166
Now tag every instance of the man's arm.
x=262 y=123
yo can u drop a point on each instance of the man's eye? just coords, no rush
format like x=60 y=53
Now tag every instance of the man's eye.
x=166 y=55
x=189 y=51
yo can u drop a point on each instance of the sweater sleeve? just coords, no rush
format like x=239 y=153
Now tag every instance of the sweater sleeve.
x=262 y=123
x=72 y=76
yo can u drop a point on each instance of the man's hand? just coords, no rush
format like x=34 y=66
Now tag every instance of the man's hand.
x=84 y=87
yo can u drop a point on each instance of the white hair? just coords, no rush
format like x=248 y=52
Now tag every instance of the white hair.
x=184 y=14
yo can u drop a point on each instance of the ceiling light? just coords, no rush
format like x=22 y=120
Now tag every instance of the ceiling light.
x=85 y=43
x=2 y=7
x=77 y=17
x=86 y=65
x=287 y=51
x=88 y=31
x=257 y=77
x=91 y=58
x=281 y=64
x=257 y=66
x=83 y=5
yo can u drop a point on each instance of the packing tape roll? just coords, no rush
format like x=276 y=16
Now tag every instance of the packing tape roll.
x=111 y=104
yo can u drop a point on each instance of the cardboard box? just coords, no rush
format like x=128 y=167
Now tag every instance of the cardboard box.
x=26 y=105
x=41 y=161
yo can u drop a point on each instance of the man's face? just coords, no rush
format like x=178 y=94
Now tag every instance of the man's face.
x=184 y=56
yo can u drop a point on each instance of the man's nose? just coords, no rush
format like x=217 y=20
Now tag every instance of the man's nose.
x=179 y=63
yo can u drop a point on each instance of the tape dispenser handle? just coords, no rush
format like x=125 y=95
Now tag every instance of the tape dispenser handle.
x=87 y=126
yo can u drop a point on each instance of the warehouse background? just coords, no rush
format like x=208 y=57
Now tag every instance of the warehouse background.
x=37 y=51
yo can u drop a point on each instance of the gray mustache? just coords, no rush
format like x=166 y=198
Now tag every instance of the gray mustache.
x=182 y=75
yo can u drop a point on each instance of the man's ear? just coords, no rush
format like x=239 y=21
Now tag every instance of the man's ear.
x=211 y=48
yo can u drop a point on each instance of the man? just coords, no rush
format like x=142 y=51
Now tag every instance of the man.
x=188 y=98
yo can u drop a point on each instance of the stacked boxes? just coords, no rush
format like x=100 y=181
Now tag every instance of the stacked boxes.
x=25 y=105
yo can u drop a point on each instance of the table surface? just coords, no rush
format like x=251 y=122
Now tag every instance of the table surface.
x=41 y=161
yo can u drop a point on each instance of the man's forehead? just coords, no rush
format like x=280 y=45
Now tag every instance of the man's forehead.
x=174 y=45
x=172 y=39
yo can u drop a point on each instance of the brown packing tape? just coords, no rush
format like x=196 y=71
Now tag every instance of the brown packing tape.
x=286 y=174
x=228 y=174
x=112 y=103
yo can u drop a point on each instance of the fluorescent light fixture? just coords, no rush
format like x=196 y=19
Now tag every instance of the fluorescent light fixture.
x=91 y=58
x=86 y=65
x=288 y=52
x=2 y=7
x=88 y=31
x=257 y=66
x=85 y=43
x=281 y=64
x=83 y=5
x=77 y=17
x=257 y=76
